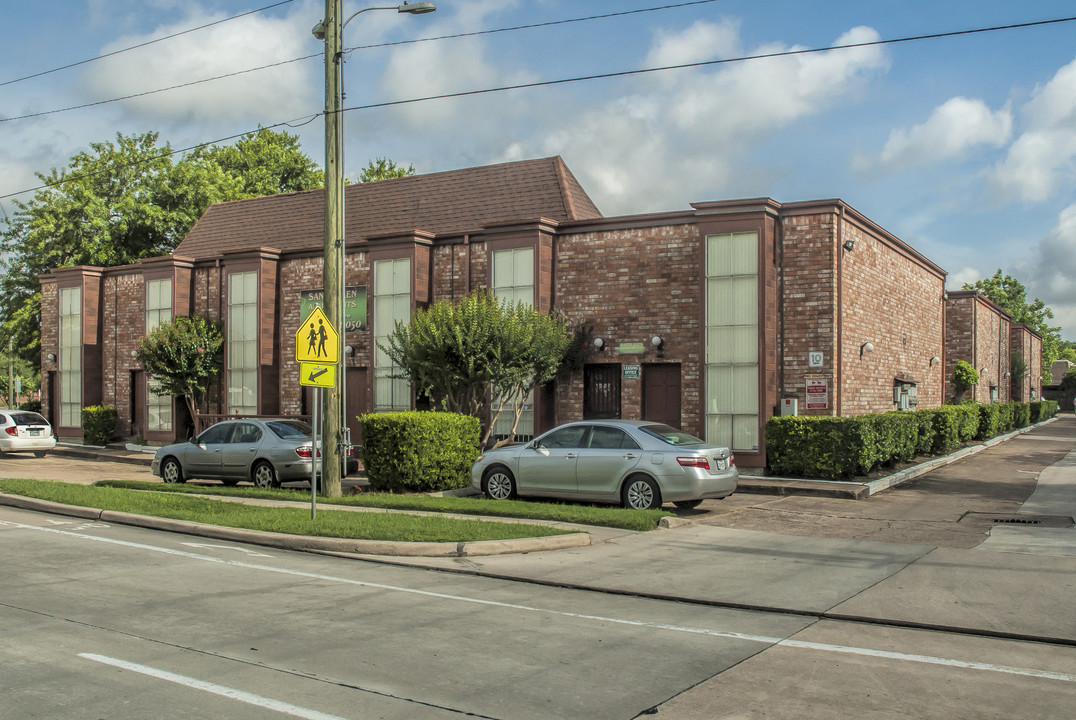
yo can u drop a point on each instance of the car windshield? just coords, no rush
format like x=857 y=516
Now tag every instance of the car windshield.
x=290 y=428
x=28 y=418
x=671 y=435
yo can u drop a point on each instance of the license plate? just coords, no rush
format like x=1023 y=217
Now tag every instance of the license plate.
x=35 y=433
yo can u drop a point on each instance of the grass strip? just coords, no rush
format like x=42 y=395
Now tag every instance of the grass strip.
x=598 y=515
x=292 y=521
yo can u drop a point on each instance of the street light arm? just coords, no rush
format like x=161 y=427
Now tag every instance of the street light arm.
x=418 y=8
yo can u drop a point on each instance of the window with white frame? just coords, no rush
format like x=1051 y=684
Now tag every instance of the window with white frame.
x=243 y=343
x=513 y=282
x=392 y=304
x=732 y=414
x=158 y=312
x=70 y=360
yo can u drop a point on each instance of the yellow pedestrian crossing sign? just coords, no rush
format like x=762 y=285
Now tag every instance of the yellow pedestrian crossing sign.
x=316 y=340
x=317 y=374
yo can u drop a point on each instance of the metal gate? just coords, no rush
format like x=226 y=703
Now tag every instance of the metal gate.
x=601 y=391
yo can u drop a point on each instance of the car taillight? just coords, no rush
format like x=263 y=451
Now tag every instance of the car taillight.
x=305 y=452
x=732 y=459
x=12 y=431
x=697 y=462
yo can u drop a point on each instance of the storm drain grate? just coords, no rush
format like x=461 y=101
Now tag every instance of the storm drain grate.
x=1017 y=521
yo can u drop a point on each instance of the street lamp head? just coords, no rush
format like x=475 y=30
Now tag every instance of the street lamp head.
x=418 y=8
x=318 y=31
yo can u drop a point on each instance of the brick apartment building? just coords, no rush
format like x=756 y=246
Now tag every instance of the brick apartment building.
x=711 y=318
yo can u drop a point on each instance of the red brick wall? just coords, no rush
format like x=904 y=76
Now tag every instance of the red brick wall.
x=123 y=326
x=627 y=286
x=977 y=332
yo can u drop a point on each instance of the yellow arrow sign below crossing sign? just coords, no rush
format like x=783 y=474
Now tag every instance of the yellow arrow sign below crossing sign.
x=317 y=374
x=316 y=341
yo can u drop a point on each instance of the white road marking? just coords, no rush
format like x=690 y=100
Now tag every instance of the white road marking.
x=227 y=547
x=774 y=641
x=232 y=693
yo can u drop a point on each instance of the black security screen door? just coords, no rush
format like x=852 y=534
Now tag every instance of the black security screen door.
x=601 y=392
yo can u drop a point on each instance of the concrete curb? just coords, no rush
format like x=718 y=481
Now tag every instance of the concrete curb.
x=307 y=543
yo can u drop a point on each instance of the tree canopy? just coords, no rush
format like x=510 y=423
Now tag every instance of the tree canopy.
x=182 y=357
x=127 y=200
x=463 y=354
x=384 y=169
x=1011 y=296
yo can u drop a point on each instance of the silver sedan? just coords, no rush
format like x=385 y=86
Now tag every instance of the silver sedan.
x=637 y=464
x=266 y=452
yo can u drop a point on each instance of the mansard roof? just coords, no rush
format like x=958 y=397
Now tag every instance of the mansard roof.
x=445 y=204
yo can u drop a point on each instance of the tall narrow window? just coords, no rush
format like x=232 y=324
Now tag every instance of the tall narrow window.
x=158 y=312
x=392 y=304
x=513 y=282
x=243 y=343
x=732 y=414
x=70 y=360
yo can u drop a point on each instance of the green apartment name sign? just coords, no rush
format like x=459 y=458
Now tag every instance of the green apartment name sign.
x=354 y=305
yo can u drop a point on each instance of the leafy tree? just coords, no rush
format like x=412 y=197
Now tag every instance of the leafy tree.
x=182 y=356
x=461 y=354
x=963 y=378
x=1010 y=294
x=126 y=200
x=1017 y=369
x=384 y=169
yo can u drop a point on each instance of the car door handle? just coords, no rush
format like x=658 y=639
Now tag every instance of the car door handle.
x=630 y=456
x=570 y=456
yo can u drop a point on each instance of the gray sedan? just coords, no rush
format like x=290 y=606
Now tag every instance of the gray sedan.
x=266 y=452
x=635 y=463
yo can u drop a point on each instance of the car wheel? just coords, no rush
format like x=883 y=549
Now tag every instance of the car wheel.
x=40 y=453
x=498 y=484
x=171 y=472
x=265 y=475
x=641 y=493
x=687 y=504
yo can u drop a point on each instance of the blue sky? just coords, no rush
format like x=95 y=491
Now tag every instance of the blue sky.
x=964 y=147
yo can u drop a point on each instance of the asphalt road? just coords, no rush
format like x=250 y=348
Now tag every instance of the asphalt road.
x=914 y=603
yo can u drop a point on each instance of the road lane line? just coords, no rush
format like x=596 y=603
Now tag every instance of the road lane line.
x=223 y=691
x=763 y=639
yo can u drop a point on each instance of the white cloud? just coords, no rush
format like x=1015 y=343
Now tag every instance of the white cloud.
x=681 y=141
x=701 y=42
x=952 y=128
x=1042 y=160
x=282 y=93
x=956 y=280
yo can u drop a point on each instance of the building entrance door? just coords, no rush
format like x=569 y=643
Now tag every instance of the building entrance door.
x=601 y=391
x=661 y=393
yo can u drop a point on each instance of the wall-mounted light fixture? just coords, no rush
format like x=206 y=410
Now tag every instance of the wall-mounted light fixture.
x=599 y=344
x=349 y=350
x=934 y=359
x=658 y=343
x=945 y=296
x=849 y=245
x=982 y=372
x=1008 y=374
x=867 y=347
x=51 y=357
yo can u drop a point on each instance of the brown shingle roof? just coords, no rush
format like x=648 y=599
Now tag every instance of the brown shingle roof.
x=446 y=203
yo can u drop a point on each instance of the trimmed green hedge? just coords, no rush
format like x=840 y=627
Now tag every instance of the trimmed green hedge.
x=834 y=447
x=419 y=451
x=99 y=424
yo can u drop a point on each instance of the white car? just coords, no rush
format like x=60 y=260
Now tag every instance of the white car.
x=25 y=431
x=637 y=464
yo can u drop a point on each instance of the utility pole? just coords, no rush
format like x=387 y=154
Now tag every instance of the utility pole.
x=11 y=372
x=334 y=234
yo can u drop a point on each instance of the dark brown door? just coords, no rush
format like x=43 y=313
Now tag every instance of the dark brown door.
x=601 y=391
x=661 y=393
x=357 y=402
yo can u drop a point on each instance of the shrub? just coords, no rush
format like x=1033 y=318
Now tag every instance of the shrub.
x=1006 y=412
x=1041 y=410
x=925 y=432
x=99 y=424
x=419 y=451
x=897 y=435
x=1021 y=415
x=969 y=420
x=32 y=405
x=989 y=421
x=945 y=422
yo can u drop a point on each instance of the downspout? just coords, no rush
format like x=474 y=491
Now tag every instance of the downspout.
x=467 y=270
x=975 y=346
x=838 y=375
x=779 y=234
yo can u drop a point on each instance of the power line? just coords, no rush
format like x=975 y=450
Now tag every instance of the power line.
x=142 y=45
x=603 y=76
x=350 y=50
